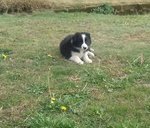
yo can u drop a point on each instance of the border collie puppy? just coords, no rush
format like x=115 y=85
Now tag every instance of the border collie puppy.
x=77 y=47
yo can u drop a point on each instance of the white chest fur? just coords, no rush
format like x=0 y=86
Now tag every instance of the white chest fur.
x=79 y=54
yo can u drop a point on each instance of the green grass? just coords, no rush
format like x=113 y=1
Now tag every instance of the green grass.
x=113 y=92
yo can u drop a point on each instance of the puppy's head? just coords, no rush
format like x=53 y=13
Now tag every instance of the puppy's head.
x=81 y=40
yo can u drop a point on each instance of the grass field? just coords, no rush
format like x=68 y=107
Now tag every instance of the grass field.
x=38 y=88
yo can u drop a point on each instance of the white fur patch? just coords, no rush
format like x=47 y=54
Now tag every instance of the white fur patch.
x=76 y=59
x=91 y=54
x=84 y=45
x=91 y=49
x=77 y=56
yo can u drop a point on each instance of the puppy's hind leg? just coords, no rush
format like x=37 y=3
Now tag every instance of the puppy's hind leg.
x=76 y=59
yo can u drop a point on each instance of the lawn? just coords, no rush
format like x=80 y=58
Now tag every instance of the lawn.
x=38 y=88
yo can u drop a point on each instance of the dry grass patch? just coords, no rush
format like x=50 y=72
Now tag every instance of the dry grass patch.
x=23 y=5
x=7 y=6
x=140 y=36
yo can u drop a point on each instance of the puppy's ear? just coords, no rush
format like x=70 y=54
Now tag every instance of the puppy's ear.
x=75 y=37
x=71 y=41
x=88 y=35
x=77 y=33
x=88 y=38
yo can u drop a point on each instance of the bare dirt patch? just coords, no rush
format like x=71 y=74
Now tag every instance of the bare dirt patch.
x=140 y=36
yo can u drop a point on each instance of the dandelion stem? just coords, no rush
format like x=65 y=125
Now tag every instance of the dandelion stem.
x=48 y=82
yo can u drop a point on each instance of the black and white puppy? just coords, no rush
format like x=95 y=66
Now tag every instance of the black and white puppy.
x=77 y=47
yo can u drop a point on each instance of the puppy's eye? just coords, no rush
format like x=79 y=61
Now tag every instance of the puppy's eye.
x=85 y=39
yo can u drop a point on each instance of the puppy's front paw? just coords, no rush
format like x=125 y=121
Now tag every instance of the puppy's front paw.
x=91 y=54
x=88 y=61
x=76 y=59
x=81 y=62
x=91 y=49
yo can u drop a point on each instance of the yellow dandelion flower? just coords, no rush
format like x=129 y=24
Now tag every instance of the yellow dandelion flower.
x=63 y=108
x=4 y=56
x=52 y=102
x=49 y=55
x=53 y=99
